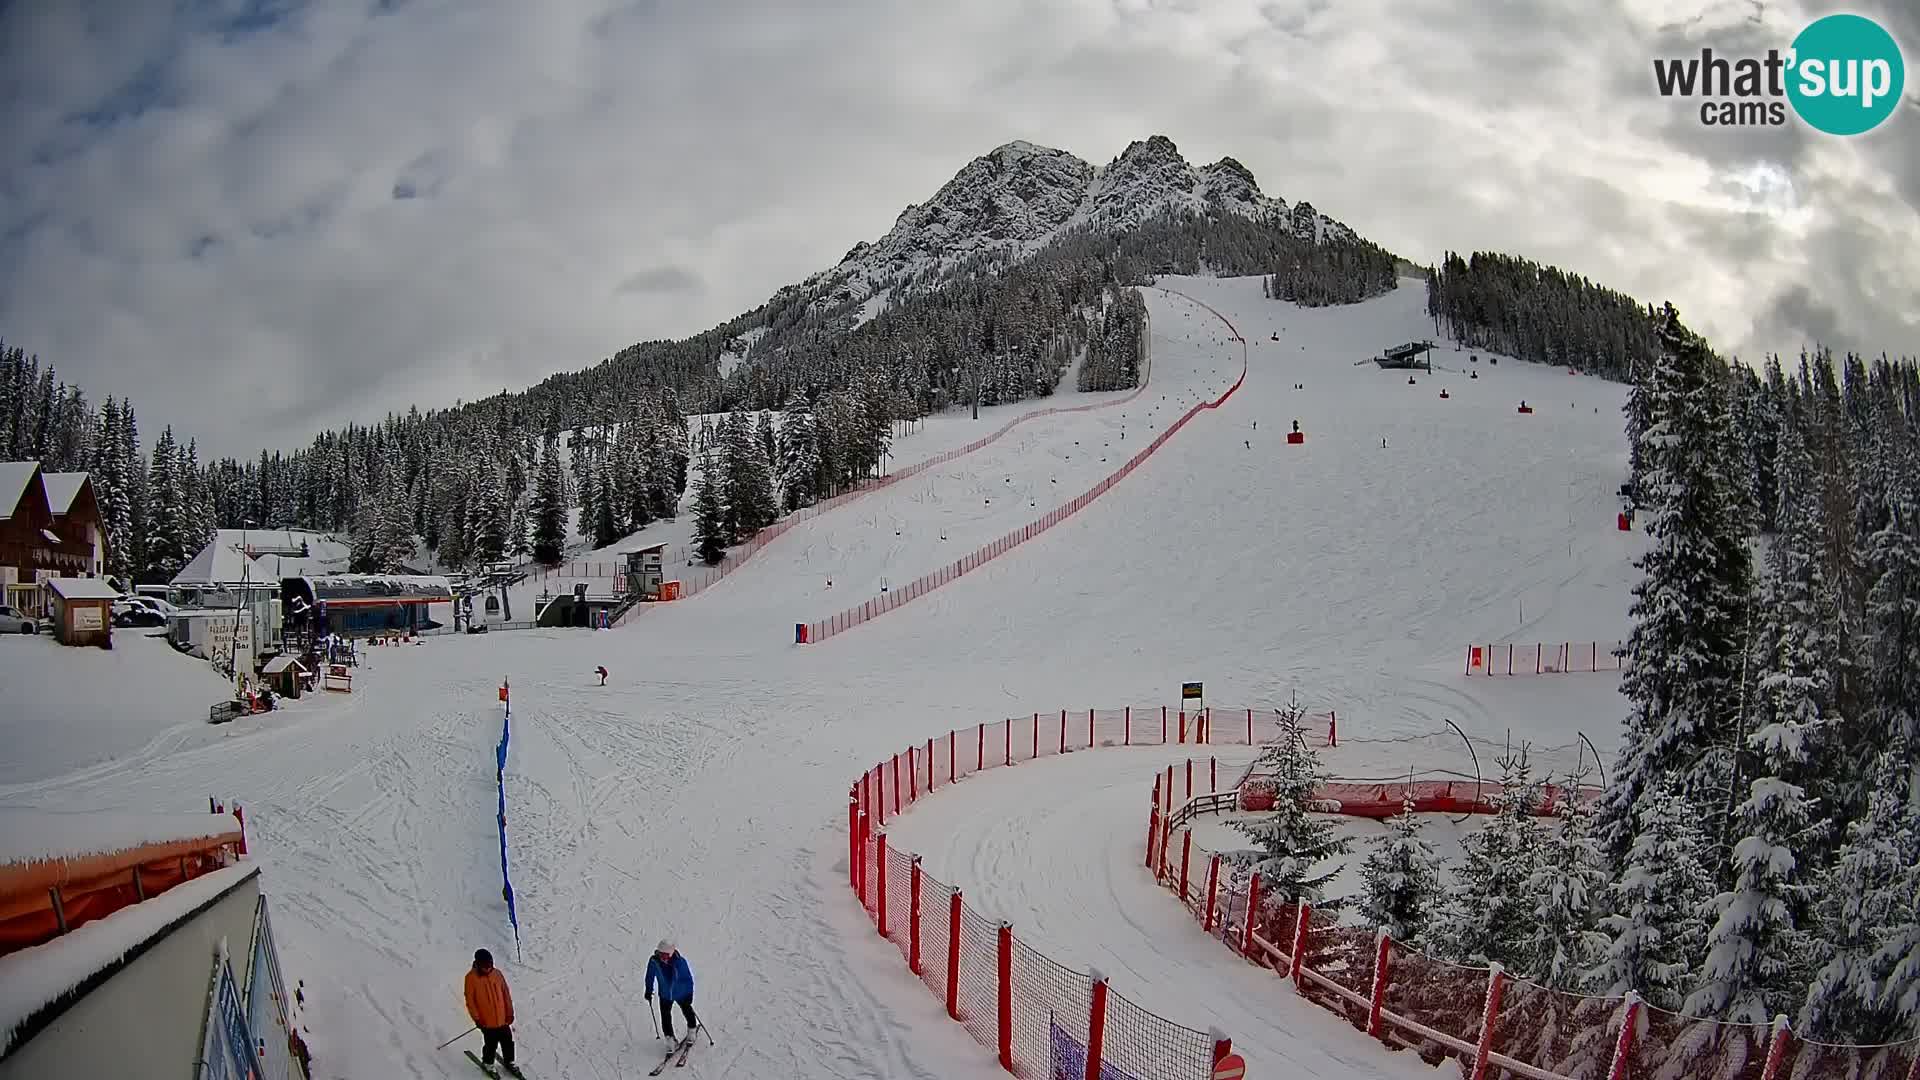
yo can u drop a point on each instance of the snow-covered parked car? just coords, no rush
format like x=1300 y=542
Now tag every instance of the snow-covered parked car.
x=131 y=612
x=13 y=622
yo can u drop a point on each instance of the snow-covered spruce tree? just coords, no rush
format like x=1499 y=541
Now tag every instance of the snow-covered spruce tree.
x=763 y=435
x=1867 y=987
x=1293 y=842
x=586 y=475
x=710 y=532
x=1488 y=913
x=1400 y=877
x=1658 y=927
x=1757 y=952
x=750 y=500
x=799 y=446
x=166 y=531
x=549 y=509
x=1690 y=609
x=1569 y=887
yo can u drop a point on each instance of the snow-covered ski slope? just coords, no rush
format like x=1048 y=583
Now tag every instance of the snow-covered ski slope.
x=701 y=795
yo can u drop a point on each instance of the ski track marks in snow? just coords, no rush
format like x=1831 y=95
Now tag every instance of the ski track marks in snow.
x=701 y=795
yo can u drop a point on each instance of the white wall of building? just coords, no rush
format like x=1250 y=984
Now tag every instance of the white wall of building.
x=145 y=1021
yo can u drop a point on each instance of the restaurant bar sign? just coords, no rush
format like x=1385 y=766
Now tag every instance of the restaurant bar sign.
x=226 y=1050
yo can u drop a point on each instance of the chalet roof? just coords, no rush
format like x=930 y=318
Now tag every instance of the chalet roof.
x=14 y=478
x=81 y=588
x=62 y=488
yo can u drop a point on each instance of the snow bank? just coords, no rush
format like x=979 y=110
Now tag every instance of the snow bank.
x=32 y=979
x=28 y=835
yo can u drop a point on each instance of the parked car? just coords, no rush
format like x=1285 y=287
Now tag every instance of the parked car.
x=129 y=613
x=13 y=622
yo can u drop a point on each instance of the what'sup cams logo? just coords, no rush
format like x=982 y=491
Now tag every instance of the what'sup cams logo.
x=1842 y=75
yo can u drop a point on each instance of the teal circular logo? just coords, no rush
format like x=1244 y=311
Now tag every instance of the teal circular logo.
x=1847 y=74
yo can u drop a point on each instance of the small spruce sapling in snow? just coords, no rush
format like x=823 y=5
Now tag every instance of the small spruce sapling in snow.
x=1568 y=884
x=1488 y=915
x=1867 y=988
x=1294 y=844
x=1400 y=877
x=1756 y=955
x=1658 y=929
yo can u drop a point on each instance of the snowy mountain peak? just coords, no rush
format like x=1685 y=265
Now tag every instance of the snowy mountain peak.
x=1014 y=200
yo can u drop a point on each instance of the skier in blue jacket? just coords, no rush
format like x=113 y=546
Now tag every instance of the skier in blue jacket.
x=676 y=987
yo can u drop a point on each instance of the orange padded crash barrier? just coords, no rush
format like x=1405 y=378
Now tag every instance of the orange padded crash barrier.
x=41 y=899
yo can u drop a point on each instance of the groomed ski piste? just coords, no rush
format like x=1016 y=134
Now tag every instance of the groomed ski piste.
x=701 y=795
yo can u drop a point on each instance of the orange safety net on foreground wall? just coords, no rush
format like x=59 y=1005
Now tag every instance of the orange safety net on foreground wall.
x=41 y=899
x=1493 y=1024
x=1041 y=1019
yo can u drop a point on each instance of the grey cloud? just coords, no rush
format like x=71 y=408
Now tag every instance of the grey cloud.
x=662 y=279
x=426 y=203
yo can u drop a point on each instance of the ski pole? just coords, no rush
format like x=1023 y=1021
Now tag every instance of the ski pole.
x=458 y=1037
x=651 y=1020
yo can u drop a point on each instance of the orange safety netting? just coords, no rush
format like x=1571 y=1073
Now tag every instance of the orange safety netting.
x=92 y=887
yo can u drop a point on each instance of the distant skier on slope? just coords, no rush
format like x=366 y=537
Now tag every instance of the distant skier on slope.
x=602 y=672
x=670 y=969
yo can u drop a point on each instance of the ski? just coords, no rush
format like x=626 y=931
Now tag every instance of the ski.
x=681 y=1061
x=491 y=1070
x=679 y=1048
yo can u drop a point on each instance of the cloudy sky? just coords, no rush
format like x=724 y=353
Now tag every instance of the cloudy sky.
x=262 y=219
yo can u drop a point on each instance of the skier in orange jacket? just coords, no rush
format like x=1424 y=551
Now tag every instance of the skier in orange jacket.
x=490 y=1004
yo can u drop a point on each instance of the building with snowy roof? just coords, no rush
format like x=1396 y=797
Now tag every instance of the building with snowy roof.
x=138 y=945
x=82 y=610
x=49 y=526
x=254 y=561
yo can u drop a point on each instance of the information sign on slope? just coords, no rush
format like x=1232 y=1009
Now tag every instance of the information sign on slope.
x=1189 y=691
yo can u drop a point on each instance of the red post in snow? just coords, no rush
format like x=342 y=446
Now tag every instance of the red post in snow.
x=1166 y=841
x=853 y=841
x=1163 y=725
x=951 y=774
x=982 y=762
x=1186 y=859
x=953 y=955
x=1097 y=1029
x=1593 y=656
x=1249 y=727
x=1153 y=829
x=1253 y=913
x=1089 y=729
x=1496 y=986
x=1009 y=748
x=1182 y=730
x=880 y=861
x=913 y=775
x=1169 y=788
x=1623 y=1046
x=931 y=767
x=913 y=918
x=1006 y=996
x=896 y=784
x=1126 y=727
x=1333 y=728
x=1300 y=943
x=1537 y=651
x=1213 y=893
x=240 y=815
x=1213 y=776
x=1378 y=994
x=1777 y=1051
x=1036 y=738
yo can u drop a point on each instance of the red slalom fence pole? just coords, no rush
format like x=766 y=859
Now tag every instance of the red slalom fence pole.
x=1006 y=996
x=1377 y=995
x=1126 y=730
x=1213 y=892
x=1496 y=986
x=913 y=775
x=982 y=762
x=951 y=774
x=1097 y=1028
x=913 y=915
x=1623 y=1047
x=953 y=955
x=881 y=841
x=1186 y=859
x=1089 y=729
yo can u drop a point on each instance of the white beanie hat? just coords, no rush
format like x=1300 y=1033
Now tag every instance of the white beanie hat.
x=664 y=946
